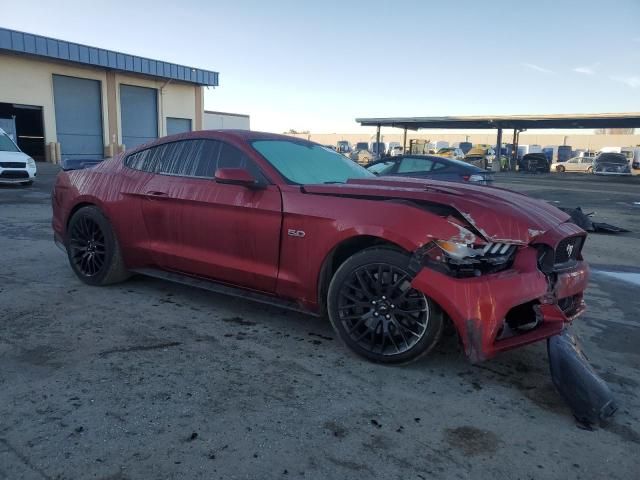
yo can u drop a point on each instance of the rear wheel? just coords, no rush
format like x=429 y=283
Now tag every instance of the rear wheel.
x=377 y=313
x=92 y=248
x=590 y=170
x=560 y=168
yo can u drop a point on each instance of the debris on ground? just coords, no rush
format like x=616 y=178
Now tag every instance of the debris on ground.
x=583 y=220
x=588 y=395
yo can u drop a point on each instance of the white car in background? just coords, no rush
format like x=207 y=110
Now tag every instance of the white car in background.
x=396 y=150
x=391 y=146
x=575 y=164
x=15 y=166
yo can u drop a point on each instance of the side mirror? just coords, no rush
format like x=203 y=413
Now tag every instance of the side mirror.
x=237 y=176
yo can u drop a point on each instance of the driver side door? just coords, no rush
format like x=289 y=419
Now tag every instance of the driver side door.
x=228 y=233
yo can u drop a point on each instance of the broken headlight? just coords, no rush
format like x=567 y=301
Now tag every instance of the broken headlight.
x=469 y=260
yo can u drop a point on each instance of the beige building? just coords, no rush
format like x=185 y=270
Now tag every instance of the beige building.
x=225 y=121
x=64 y=99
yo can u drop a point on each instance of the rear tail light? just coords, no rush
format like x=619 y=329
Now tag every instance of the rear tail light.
x=466 y=177
x=476 y=178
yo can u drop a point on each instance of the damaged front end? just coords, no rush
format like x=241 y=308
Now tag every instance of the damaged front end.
x=501 y=295
x=462 y=260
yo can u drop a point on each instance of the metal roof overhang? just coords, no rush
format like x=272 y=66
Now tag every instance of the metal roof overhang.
x=598 y=120
x=16 y=42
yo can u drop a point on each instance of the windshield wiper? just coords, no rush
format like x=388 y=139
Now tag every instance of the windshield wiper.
x=331 y=183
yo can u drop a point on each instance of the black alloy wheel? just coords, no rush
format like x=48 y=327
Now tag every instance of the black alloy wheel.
x=92 y=248
x=87 y=245
x=377 y=312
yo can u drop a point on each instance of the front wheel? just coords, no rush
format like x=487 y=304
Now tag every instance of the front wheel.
x=92 y=248
x=377 y=313
x=590 y=170
x=560 y=169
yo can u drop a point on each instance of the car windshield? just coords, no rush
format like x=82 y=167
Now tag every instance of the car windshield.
x=308 y=163
x=461 y=164
x=613 y=158
x=362 y=146
x=6 y=145
x=381 y=168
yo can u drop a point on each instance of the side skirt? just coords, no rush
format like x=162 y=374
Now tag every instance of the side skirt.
x=224 y=289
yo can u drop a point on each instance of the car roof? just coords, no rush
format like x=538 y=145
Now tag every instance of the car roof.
x=448 y=161
x=611 y=154
x=242 y=135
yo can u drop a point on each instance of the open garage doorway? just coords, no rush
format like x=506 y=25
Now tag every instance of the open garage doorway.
x=29 y=127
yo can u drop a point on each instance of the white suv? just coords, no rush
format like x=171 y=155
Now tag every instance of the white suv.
x=15 y=166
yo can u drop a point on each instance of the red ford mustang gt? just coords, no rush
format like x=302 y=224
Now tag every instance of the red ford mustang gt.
x=286 y=221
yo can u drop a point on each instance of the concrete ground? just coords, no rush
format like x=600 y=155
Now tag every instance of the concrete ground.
x=149 y=379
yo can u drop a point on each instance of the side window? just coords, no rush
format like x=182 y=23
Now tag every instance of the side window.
x=208 y=158
x=180 y=158
x=189 y=158
x=231 y=157
x=439 y=166
x=414 y=164
x=146 y=160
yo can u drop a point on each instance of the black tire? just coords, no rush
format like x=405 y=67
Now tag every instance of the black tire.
x=560 y=169
x=92 y=248
x=374 y=317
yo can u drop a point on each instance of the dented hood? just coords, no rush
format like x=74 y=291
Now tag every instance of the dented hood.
x=499 y=215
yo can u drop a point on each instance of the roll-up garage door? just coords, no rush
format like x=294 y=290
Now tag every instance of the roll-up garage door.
x=78 y=109
x=139 y=115
x=178 y=125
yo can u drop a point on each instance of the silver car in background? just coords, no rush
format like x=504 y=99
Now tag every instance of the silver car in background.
x=575 y=164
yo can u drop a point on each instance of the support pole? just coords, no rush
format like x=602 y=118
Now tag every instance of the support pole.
x=514 y=153
x=378 y=144
x=498 y=151
x=404 y=141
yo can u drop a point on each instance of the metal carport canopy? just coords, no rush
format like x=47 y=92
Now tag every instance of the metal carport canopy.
x=596 y=120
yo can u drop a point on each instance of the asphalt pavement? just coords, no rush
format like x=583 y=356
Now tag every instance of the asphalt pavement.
x=148 y=379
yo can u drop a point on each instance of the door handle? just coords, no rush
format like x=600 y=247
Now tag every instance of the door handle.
x=156 y=194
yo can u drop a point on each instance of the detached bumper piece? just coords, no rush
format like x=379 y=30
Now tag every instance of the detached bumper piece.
x=588 y=396
x=521 y=305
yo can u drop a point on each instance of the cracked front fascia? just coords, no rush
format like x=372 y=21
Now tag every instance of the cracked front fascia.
x=464 y=235
x=489 y=238
x=534 y=233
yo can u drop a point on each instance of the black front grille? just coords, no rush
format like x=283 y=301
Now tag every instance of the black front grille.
x=568 y=250
x=14 y=174
x=12 y=165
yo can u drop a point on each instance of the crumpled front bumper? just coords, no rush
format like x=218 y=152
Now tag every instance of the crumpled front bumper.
x=479 y=306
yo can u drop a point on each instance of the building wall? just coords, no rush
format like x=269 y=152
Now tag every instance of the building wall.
x=174 y=100
x=225 y=121
x=29 y=81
